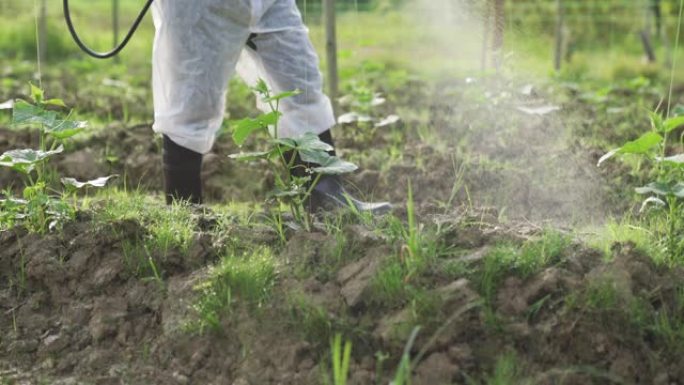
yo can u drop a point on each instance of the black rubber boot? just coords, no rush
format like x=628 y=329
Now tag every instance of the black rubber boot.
x=329 y=193
x=182 y=173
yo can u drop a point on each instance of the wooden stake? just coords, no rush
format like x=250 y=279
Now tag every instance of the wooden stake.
x=115 y=25
x=331 y=51
x=486 y=18
x=560 y=21
x=42 y=32
x=499 y=27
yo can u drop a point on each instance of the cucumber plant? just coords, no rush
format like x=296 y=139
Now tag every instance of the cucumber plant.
x=294 y=181
x=362 y=103
x=40 y=207
x=665 y=192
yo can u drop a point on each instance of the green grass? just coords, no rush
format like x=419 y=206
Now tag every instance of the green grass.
x=168 y=226
x=311 y=320
x=524 y=261
x=389 y=286
x=237 y=279
x=620 y=231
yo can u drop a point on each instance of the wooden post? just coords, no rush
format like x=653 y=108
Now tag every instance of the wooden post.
x=42 y=32
x=115 y=26
x=560 y=21
x=646 y=33
x=331 y=51
x=499 y=27
x=658 y=16
x=115 y=22
x=486 y=19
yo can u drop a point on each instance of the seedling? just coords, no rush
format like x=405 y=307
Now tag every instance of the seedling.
x=403 y=373
x=41 y=207
x=293 y=183
x=665 y=193
x=363 y=102
x=340 y=359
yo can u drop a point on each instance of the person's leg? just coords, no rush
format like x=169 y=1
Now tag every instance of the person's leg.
x=197 y=44
x=283 y=55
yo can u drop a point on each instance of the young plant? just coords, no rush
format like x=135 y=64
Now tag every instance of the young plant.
x=340 y=359
x=403 y=373
x=294 y=182
x=41 y=207
x=363 y=102
x=667 y=190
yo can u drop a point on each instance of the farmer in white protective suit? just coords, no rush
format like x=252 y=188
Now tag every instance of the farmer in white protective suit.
x=198 y=45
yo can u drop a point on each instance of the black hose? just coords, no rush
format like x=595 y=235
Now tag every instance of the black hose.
x=117 y=49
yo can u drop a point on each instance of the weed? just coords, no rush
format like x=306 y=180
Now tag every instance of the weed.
x=506 y=372
x=524 y=261
x=247 y=278
x=668 y=324
x=418 y=246
x=310 y=318
x=403 y=373
x=626 y=230
x=340 y=359
x=602 y=294
x=389 y=287
x=168 y=227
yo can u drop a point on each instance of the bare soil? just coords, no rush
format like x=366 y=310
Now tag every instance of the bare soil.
x=72 y=313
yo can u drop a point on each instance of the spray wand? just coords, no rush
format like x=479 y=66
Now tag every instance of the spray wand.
x=118 y=48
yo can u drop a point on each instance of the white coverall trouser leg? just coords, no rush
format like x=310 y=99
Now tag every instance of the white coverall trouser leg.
x=198 y=46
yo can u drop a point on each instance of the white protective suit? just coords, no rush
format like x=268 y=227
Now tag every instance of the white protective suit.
x=197 y=47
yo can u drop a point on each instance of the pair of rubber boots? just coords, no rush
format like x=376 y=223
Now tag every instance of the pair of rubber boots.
x=182 y=182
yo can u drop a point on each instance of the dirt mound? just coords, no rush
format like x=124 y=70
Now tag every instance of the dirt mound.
x=76 y=310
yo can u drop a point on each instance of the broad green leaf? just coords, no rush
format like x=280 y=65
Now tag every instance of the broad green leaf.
x=652 y=201
x=64 y=129
x=99 y=182
x=388 y=121
x=675 y=159
x=352 y=117
x=329 y=165
x=293 y=192
x=315 y=156
x=377 y=100
x=639 y=146
x=335 y=166
x=285 y=142
x=24 y=161
x=251 y=156
x=662 y=189
x=311 y=142
x=55 y=102
x=36 y=94
x=607 y=156
x=281 y=95
x=261 y=87
x=306 y=142
x=673 y=123
x=242 y=129
x=26 y=113
x=656 y=121
x=642 y=145
x=540 y=111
